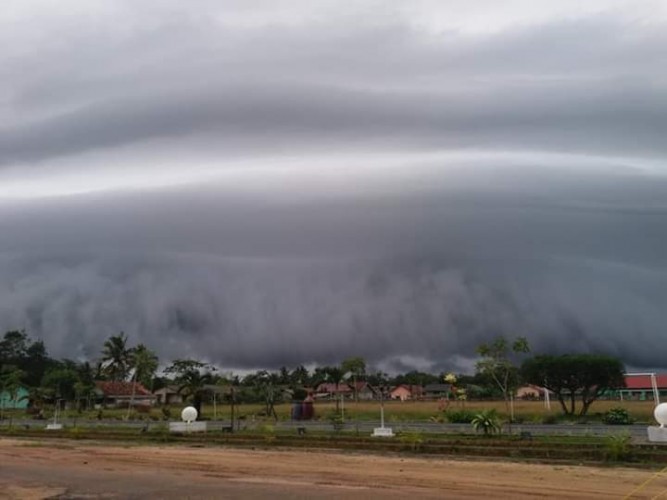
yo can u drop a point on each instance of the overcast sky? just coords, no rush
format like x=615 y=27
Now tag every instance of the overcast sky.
x=259 y=183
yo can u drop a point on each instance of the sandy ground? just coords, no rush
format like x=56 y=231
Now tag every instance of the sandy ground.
x=54 y=469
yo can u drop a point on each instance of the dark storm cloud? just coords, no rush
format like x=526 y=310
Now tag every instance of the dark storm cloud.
x=350 y=183
x=578 y=264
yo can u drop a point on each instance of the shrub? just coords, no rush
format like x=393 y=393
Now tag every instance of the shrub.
x=618 y=447
x=413 y=439
x=549 y=419
x=337 y=421
x=487 y=422
x=617 y=416
x=459 y=416
x=166 y=413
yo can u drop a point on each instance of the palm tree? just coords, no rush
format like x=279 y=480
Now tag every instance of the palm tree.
x=116 y=357
x=334 y=375
x=487 y=422
x=144 y=363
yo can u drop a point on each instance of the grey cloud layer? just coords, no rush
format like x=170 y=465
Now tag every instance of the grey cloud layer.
x=590 y=85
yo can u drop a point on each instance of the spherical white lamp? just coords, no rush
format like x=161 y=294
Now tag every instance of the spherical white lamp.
x=189 y=414
x=660 y=414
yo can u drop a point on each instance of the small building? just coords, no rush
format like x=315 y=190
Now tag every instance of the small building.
x=437 y=391
x=406 y=392
x=18 y=401
x=640 y=387
x=531 y=392
x=168 y=395
x=120 y=394
x=364 y=391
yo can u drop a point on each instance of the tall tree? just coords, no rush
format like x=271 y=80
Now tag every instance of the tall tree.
x=568 y=376
x=143 y=363
x=116 y=357
x=10 y=383
x=356 y=367
x=192 y=377
x=497 y=363
x=266 y=384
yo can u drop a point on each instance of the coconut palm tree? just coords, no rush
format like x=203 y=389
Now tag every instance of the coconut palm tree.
x=143 y=362
x=116 y=357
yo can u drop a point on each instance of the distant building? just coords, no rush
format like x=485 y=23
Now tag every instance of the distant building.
x=19 y=401
x=437 y=391
x=346 y=390
x=639 y=387
x=406 y=392
x=168 y=396
x=119 y=394
x=531 y=392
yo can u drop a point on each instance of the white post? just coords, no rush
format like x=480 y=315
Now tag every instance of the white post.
x=381 y=412
x=547 y=400
x=656 y=393
x=342 y=407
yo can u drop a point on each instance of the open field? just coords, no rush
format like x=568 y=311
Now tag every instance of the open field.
x=41 y=469
x=395 y=411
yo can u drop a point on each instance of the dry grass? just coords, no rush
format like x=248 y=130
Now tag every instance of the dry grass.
x=394 y=410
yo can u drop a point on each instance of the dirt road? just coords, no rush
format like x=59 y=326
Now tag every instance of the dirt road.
x=54 y=469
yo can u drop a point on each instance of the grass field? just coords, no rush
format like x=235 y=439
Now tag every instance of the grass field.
x=395 y=411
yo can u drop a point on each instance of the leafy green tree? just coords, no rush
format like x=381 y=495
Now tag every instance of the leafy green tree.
x=60 y=381
x=356 y=366
x=496 y=362
x=572 y=376
x=299 y=377
x=267 y=385
x=18 y=351
x=116 y=357
x=144 y=363
x=192 y=377
x=10 y=383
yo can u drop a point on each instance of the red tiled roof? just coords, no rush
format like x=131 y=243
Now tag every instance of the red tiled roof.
x=343 y=387
x=111 y=389
x=415 y=390
x=644 y=381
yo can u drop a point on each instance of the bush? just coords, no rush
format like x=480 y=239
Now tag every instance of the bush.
x=459 y=416
x=617 y=416
x=487 y=422
x=336 y=421
x=166 y=413
x=549 y=419
x=618 y=447
x=413 y=439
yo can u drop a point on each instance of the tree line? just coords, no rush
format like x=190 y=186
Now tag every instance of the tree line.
x=25 y=363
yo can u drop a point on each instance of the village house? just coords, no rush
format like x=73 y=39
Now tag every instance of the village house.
x=406 y=392
x=640 y=387
x=531 y=392
x=168 y=395
x=437 y=391
x=332 y=391
x=119 y=394
x=18 y=401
